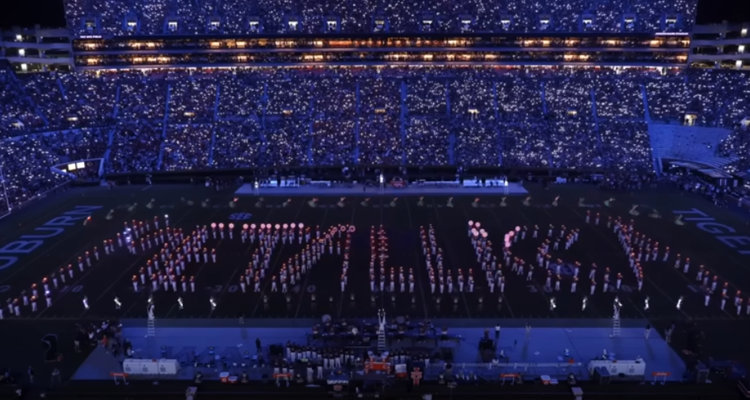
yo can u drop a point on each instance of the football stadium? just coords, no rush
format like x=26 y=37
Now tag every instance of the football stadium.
x=554 y=195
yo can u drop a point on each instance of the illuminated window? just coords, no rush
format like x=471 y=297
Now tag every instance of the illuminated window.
x=332 y=25
x=254 y=24
x=22 y=52
x=629 y=21
x=379 y=24
x=172 y=26
x=20 y=38
x=544 y=22
x=505 y=21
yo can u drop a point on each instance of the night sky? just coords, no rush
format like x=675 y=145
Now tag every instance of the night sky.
x=49 y=13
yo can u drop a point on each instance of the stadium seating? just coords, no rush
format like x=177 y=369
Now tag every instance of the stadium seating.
x=183 y=17
x=595 y=118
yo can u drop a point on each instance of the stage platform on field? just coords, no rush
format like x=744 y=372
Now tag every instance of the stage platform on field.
x=542 y=353
x=513 y=189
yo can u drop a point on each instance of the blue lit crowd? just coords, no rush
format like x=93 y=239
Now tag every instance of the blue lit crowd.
x=184 y=17
x=170 y=120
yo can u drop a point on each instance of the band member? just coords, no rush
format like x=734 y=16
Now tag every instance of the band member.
x=135 y=283
x=686 y=268
x=574 y=285
x=606 y=280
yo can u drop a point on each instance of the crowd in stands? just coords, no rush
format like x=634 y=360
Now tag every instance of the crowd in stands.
x=166 y=120
x=182 y=17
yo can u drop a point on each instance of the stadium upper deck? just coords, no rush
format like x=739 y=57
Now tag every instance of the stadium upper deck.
x=237 y=17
